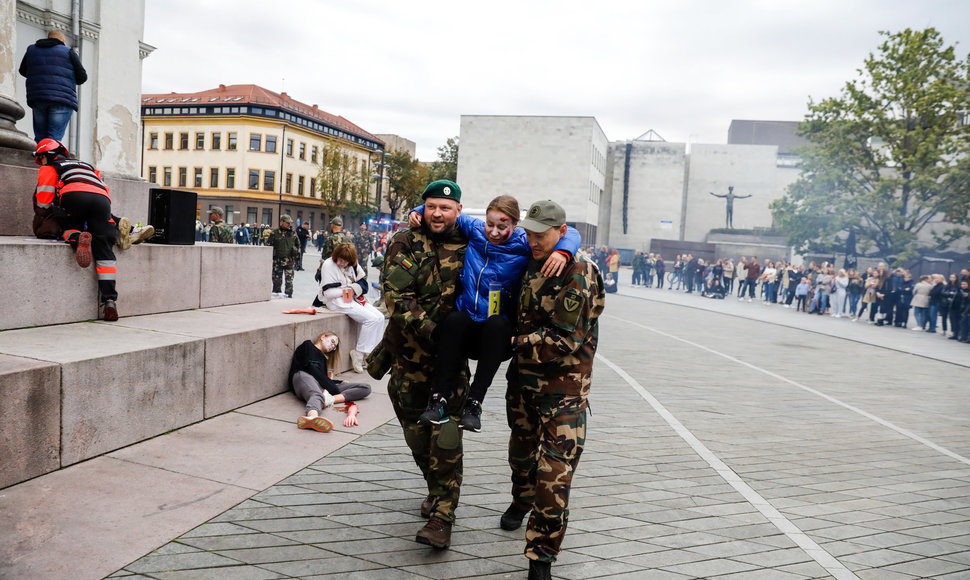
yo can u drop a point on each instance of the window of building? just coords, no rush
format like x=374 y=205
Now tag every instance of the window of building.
x=169 y=140
x=299 y=216
x=230 y=215
x=214 y=177
x=267 y=216
x=253 y=179
x=289 y=147
x=152 y=174
x=217 y=141
x=289 y=183
x=183 y=140
x=251 y=215
x=270 y=144
x=313 y=154
x=200 y=140
x=231 y=145
x=167 y=179
x=153 y=141
x=269 y=180
x=255 y=142
x=198 y=177
x=299 y=185
x=302 y=150
x=231 y=178
x=183 y=176
x=313 y=187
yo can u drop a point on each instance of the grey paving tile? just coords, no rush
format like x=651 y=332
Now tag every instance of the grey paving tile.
x=233 y=542
x=166 y=562
x=474 y=567
x=277 y=554
x=310 y=567
x=226 y=573
x=709 y=568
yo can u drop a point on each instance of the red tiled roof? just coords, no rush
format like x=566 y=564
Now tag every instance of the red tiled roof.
x=255 y=95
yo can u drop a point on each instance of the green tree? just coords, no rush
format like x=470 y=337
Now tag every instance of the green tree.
x=446 y=166
x=890 y=156
x=406 y=180
x=339 y=181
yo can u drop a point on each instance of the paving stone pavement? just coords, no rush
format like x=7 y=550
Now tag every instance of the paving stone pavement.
x=718 y=447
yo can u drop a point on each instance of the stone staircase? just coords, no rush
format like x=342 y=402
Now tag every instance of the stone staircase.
x=198 y=337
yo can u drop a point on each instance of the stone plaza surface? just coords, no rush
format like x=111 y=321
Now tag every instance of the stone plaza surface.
x=726 y=440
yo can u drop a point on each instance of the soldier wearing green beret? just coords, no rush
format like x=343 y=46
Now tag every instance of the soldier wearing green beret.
x=286 y=251
x=548 y=383
x=219 y=231
x=420 y=280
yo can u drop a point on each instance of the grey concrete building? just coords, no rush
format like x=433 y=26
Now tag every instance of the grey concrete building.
x=534 y=158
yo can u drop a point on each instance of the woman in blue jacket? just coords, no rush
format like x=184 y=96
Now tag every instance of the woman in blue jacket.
x=480 y=327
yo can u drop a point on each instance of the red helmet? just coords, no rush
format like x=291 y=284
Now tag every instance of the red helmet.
x=49 y=146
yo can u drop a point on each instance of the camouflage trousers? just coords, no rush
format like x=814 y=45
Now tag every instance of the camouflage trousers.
x=436 y=449
x=548 y=436
x=281 y=269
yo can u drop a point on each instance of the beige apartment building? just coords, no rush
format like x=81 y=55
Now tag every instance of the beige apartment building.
x=253 y=152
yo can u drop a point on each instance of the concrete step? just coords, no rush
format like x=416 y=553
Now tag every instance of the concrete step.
x=43 y=285
x=75 y=391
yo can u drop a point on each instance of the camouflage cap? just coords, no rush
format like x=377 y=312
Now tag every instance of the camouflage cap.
x=337 y=221
x=544 y=215
x=444 y=189
x=286 y=218
x=217 y=210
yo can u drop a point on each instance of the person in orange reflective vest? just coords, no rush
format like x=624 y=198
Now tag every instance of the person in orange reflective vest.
x=76 y=187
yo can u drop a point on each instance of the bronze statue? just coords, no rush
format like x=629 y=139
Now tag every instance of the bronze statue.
x=730 y=197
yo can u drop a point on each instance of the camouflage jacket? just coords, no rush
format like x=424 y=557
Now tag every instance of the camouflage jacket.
x=331 y=243
x=362 y=245
x=221 y=233
x=557 y=329
x=421 y=280
x=286 y=246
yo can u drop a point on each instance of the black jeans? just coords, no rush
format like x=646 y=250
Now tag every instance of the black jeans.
x=92 y=212
x=460 y=338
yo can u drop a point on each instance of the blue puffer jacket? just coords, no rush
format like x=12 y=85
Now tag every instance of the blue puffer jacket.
x=487 y=263
x=53 y=72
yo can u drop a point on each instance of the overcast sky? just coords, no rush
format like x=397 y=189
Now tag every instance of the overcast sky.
x=682 y=68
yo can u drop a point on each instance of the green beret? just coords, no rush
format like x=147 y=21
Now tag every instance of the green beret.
x=444 y=189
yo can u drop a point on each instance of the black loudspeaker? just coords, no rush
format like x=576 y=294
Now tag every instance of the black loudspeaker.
x=172 y=213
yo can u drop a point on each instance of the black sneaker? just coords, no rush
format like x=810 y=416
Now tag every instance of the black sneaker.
x=436 y=412
x=471 y=417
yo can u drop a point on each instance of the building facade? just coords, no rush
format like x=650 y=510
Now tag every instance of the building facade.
x=256 y=153
x=535 y=158
x=107 y=35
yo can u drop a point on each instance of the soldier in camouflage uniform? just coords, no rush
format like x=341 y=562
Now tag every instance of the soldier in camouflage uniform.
x=337 y=236
x=363 y=245
x=421 y=283
x=286 y=251
x=549 y=380
x=219 y=232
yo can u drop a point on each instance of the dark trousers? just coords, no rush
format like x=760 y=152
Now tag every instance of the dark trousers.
x=460 y=338
x=91 y=212
x=752 y=282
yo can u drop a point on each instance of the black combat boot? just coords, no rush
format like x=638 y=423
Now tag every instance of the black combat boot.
x=540 y=570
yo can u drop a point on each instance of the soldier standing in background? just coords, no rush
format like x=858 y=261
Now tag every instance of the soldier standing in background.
x=363 y=245
x=286 y=251
x=219 y=231
x=549 y=380
x=337 y=236
x=303 y=232
x=421 y=276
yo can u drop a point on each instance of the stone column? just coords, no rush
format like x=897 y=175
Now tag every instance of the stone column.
x=10 y=109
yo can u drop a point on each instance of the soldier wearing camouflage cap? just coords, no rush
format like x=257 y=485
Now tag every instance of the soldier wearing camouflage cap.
x=219 y=231
x=337 y=236
x=548 y=383
x=286 y=250
x=420 y=280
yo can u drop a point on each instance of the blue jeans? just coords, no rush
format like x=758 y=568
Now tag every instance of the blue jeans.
x=50 y=120
x=933 y=314
x=853 y=303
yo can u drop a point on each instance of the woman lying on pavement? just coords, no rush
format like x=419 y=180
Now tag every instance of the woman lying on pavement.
x=311 y=380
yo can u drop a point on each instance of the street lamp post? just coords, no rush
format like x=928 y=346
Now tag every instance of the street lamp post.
x=380 y=177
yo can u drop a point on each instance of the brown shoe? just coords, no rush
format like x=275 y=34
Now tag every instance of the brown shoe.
x=83 y=252
x=427 y=505
x=436 y=533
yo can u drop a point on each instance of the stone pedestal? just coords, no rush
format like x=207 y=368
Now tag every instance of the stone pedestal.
x=738 y=243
